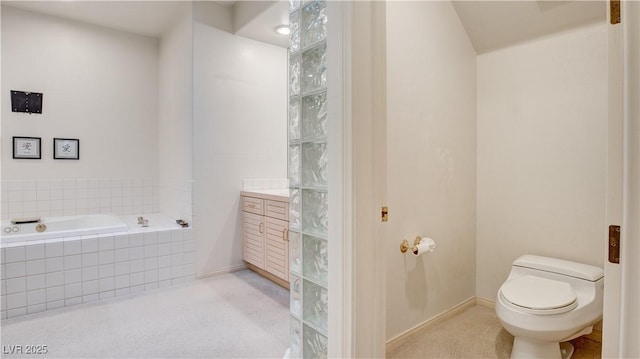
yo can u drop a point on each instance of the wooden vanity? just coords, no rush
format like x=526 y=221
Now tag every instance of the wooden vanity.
x=265 y=233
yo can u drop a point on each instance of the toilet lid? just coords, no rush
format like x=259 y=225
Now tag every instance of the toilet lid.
x=539 y=294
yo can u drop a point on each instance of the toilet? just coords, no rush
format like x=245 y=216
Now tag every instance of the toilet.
x=546 y=301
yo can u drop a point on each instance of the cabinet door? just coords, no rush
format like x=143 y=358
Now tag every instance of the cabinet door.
x=277 y=248
x=253 y=239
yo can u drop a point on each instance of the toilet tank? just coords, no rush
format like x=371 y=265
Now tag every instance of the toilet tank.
x=560 y=266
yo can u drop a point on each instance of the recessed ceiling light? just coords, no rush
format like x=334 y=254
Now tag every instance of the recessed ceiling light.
x=282 y=29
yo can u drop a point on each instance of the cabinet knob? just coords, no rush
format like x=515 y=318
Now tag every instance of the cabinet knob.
x=260 y=227
x=285 y=234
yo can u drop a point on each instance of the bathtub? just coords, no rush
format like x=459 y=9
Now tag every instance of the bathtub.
x=81 y=259
x=56 y=227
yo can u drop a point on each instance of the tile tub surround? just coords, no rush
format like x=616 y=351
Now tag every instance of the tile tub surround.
x=77 y=196
x=60 y=272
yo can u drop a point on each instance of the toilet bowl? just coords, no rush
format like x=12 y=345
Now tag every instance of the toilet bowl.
x=546 y=301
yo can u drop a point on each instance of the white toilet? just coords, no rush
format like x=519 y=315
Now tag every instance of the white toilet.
x=545 y=301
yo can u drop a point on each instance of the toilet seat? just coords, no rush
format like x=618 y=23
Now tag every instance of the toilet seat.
x=537 y=295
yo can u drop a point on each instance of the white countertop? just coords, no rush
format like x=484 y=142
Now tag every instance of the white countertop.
x=280 y=194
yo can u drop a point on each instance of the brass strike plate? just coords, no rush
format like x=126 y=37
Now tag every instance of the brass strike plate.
x=614 y=244
x=614 y=10
x=385 y=214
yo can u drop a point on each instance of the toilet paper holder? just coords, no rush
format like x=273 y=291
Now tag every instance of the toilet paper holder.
x=404 y=245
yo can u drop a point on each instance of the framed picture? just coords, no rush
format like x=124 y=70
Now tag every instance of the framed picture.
x=26 y=148
x=66 y=149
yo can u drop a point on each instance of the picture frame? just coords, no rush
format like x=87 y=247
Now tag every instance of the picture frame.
x=66 y=149
x=27 y=148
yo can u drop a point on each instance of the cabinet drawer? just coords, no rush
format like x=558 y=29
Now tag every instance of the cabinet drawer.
x=277 y=209
x=253 y=205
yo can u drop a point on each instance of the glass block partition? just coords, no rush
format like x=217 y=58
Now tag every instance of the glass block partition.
x=308 y=178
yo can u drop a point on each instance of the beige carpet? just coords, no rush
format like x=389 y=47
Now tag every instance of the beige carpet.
x=475 y=333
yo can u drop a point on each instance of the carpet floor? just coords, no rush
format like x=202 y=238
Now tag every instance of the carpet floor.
x=475 y=333
x=236 y=315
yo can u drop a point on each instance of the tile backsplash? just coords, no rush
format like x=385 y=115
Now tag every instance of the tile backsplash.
x=77 y=196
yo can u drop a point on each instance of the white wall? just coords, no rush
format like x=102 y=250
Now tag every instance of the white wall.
x=431 y=161
x=175 y=117
x=542 y=146
x=99 y=86
x=240 y=100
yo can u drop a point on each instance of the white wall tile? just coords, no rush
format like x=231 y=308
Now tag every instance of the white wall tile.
x=36 y=308
x=90 y=298
x=136 y=240
x=53 y=249
x=151 y=251
x=105 y=257
x=121 y=268
x=55 y=305
x=136 y=253
x=72 y=276
x=121 y=241
x=35 y=267
x=136 y=279
x=164 y=274
x=136 y=265
x=13 y=270
x=15 y=285
x=122 y=281
x=122 y=291
x=107 y=294
x=89 y=245
x=72 y=247
x=15 y=254
x=11 y=313
x=56 y=278
x=107 y=284
x=34 y=251
x=38 y=296
x=55 y=294
x=72 y=290
x=90 y=287
x=16 y=300
x=72 y=301
x=90 y=259
x=121 y=255
x=164 y=261
x=106 y=270
x=151 y=263
x=73 y=262
x=36 y=282
x=90 y=273
x=54 y=264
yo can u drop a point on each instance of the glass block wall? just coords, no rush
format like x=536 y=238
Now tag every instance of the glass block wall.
x=308 y=178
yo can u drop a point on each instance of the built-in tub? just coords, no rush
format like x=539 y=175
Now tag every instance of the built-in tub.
x=80 y=259
x=57 y=227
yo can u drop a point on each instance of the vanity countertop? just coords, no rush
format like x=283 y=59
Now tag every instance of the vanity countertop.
x=280 y=194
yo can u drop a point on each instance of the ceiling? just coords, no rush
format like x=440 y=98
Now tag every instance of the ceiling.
x=490 y=25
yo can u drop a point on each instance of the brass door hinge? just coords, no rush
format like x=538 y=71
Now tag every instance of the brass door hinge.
x=385 y=214
x=614 y=244
x=614 y=10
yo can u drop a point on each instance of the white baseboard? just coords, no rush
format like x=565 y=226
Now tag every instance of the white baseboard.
x=226 y=270
x=409 y=334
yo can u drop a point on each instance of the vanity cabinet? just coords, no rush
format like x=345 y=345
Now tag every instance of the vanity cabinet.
x=265 y=234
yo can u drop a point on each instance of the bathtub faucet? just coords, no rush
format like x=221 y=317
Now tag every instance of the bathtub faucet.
x=143 y=222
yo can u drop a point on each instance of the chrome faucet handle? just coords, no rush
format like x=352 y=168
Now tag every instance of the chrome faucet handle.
x=145 y=223
x=140 y=220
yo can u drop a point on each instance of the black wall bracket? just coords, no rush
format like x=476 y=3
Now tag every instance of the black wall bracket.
x=29 y=102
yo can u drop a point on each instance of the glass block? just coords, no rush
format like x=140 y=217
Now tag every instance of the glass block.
x=314 y=116
x=294 y=165
x=295 y=293
x=314 y=22
x=294 y=75
x=295 y=252
x=316 y=263
x=314 y=69
x=295 y=206
x=294 y=120
x=314 y=164
x=315 y=212
x=315 y=344
x=315 y=305
x=295 y=339
x=294 y=5
x=294 y=34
